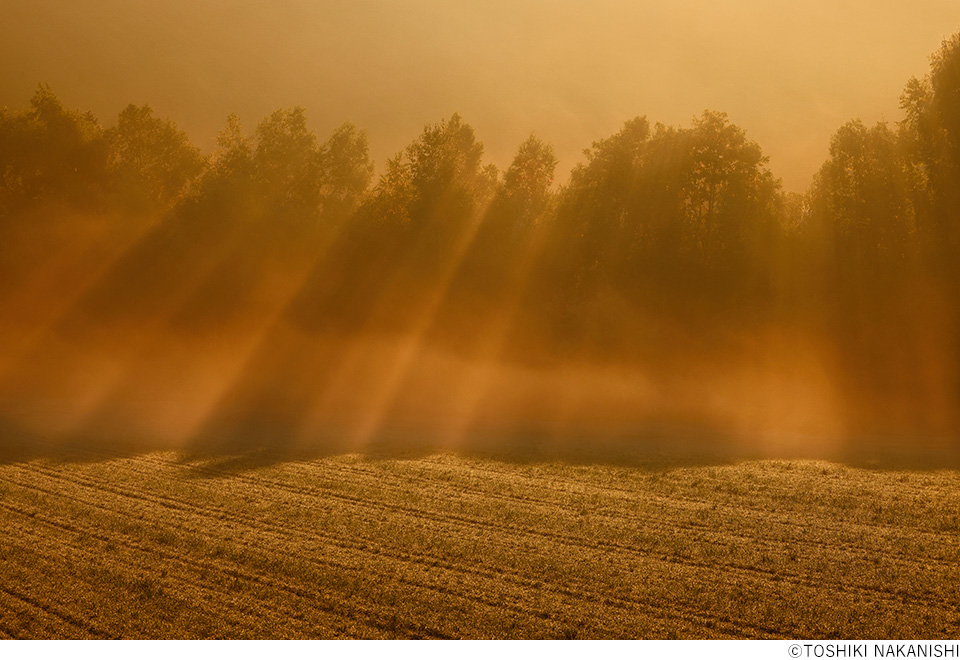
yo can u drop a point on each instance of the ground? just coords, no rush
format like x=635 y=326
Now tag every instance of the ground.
x=166 y=544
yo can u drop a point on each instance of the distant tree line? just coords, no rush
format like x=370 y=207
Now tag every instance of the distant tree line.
x=663 y=235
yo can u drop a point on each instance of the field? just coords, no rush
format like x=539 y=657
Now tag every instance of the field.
x=165 y=544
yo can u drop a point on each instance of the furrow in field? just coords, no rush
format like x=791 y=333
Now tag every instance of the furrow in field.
x=601 y=545
x=672 y=527
x=359 y=504
x=84 y=627
x=652 y=517
x=211 y=599
x=613 y=549
x=630 y=524
x=799 y=517
x=663 y=503
x=670 y=559
x=770 y=471
x=21 y=620
x=830 y=475
x=434 y=562
x=119 y=603
x=587 y=477
x=310 y=599
x=420 y=583
x=216 y=600
x=76 y=539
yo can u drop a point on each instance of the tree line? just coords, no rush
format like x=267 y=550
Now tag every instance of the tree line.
x=664 y=239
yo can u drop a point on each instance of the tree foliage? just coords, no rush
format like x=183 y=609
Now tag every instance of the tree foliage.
x=50 y=153
x=151 y=161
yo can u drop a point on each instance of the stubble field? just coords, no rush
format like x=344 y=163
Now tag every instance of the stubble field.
x=164 y=545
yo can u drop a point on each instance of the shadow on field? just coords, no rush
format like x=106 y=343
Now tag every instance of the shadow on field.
x=899 y=453
x=18 y=444
x=655 y=447
x=647 y=449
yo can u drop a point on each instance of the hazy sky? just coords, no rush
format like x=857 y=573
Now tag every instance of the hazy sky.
x=573 y=71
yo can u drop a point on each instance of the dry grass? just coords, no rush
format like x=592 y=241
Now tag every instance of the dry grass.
x=162 y=545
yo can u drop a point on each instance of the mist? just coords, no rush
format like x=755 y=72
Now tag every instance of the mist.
x=498 y=252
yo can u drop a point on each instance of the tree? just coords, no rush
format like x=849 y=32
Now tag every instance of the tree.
x=50 y=153
x=447 y=173
x=525 y=192
x=151 y=160
x=233 y=159
x=345 y=170
x=932 y=129
x=519 y=206
x=729 y=195
x=436 y=186
x=599 y=198
x=286 y=162
x=861 y=195
x=673 y=209
x=921 y=143
x=945 y=84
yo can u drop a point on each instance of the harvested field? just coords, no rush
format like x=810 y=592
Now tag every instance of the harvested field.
x=167 y=545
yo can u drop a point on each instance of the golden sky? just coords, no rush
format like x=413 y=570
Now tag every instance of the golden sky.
x=788 y=71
